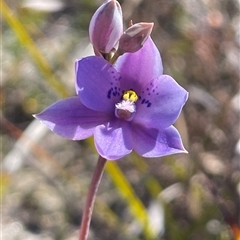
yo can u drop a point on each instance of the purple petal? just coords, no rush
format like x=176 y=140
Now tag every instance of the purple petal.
x=140 y=67
x=113 y=141
x=97 y=84
x=154 y=143
x=69 y=118
x=160 y=103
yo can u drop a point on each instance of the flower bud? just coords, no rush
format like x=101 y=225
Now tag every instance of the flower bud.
x=134 y=37
x=106 y=26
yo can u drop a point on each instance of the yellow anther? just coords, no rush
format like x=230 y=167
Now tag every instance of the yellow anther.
x=130 y=95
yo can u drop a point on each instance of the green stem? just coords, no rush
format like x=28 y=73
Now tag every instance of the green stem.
x=88 y=209
x=115 y=57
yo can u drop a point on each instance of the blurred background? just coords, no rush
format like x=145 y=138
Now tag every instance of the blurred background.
x=45 y=178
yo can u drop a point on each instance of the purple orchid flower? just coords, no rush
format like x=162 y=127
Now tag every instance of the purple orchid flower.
x=126 y=107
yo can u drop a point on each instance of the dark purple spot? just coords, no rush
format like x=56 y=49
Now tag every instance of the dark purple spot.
x=149 y=105
x=109 y=93
x=143 y=101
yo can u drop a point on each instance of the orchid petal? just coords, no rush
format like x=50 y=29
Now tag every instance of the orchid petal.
x=113 y=141
x=160 y=103
x=69 y=118
x=97 y=84
x=140 y=67
x=156 y=143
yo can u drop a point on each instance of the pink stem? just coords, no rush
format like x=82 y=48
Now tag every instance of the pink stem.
x=88 y=209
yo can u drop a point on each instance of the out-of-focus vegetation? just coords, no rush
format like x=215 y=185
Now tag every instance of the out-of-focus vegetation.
x=45 y=178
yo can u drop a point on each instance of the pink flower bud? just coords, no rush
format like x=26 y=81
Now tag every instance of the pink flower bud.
x=134 y=37
x=106 y=26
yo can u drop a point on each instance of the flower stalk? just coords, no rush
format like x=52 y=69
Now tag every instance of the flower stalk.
x=88 y=209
